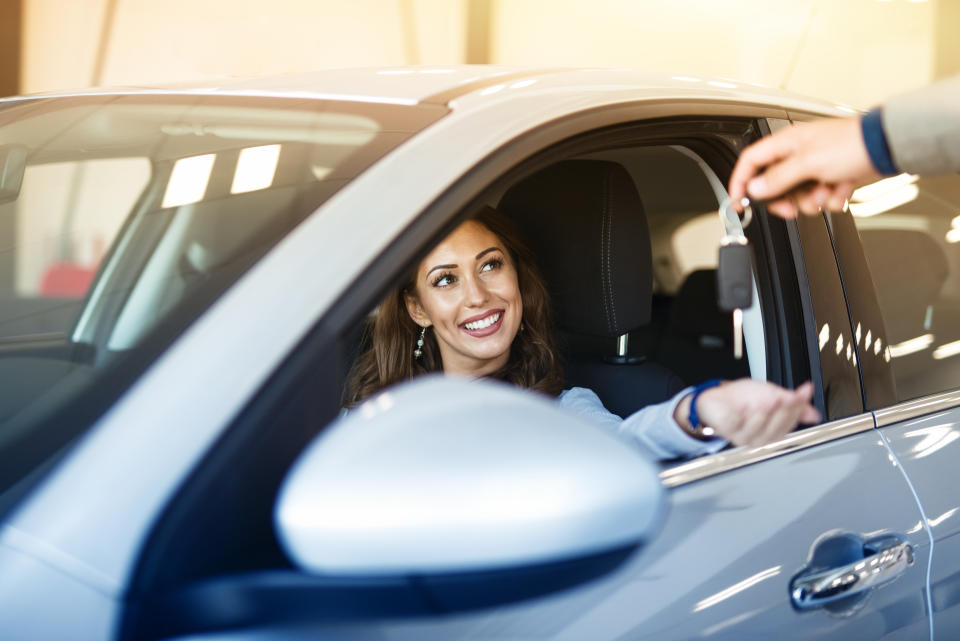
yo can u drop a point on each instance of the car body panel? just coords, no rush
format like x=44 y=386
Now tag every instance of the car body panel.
x=408 y=85
x=32 y=580
x=923 y=434
x=720 y=568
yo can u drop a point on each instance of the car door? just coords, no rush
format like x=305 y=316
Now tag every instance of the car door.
x=897 y=249
x=745 y=525
x=747 y=531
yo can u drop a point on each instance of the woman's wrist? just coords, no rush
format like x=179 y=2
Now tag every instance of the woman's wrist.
x=687 y=416
x=681 y=412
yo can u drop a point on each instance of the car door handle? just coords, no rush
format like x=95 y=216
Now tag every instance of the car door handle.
x=813 y=590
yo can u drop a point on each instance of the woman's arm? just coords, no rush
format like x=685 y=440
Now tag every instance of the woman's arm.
x=749 y=412
x=742 y=412
x=651 y=427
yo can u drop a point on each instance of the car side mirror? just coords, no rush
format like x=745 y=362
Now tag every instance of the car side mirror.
x=443 y=478
x=13 y=164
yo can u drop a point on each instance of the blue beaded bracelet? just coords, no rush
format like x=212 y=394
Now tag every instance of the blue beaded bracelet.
x=693 y=418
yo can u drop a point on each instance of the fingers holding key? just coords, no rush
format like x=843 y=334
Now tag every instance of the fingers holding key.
x=805 y=168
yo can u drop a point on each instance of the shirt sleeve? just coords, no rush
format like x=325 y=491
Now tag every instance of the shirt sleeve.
x=875 y=140
x=922 y=128
x=651 y=427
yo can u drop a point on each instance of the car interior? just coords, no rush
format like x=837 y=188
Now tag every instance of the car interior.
x=912 y=256
x=636 y=314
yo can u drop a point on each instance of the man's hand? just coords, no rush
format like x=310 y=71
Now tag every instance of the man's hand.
x=805 y=168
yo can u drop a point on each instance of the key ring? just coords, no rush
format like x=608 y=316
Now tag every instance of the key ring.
x=747 y=212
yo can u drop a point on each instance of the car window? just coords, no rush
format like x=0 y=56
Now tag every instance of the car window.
x=66 y=217
x=909 y=229
x=123 y=218
x=688 y=334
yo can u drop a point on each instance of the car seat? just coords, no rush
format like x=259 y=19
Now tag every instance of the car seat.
x=585 y=222
x=698 y=340
x=909 y=268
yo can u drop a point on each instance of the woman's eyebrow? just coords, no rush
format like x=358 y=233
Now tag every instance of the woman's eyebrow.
x=442 y=267
x=487 y=251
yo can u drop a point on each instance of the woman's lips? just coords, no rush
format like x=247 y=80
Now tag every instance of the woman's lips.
x=485 y=331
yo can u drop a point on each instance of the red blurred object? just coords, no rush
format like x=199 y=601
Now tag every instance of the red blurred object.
x=66 y=280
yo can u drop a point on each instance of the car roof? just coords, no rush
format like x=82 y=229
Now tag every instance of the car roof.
x=484 y=84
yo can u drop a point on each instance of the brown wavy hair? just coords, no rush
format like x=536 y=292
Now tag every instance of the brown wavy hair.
x=391 y=334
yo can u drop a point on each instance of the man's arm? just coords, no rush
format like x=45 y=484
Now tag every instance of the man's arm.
x=817 y=165
x=923 y=129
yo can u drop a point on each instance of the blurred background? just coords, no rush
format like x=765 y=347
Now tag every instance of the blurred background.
x=852 y=51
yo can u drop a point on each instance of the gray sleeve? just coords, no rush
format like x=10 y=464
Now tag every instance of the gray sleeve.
x=652 y=427
x=923 y=129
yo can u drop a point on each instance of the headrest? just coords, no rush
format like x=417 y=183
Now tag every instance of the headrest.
x=586 y=224
x=695 y=312
x=909 y=268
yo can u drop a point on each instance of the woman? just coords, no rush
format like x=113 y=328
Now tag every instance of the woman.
x=477 y=307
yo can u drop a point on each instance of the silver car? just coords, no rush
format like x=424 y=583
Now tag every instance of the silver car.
x=185 y=279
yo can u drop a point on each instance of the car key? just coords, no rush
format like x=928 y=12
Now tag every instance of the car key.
x=735 y=270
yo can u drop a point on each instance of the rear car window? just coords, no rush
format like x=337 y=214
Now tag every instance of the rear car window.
x=910 y=231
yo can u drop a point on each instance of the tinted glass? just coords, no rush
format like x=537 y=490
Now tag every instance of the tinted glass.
x=123 y=217
x=836 y=350
x=910 y=232
x=879 y=387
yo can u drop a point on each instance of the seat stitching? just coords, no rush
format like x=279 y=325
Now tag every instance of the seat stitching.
x=613 y=301
x=608 y=254
x=604 y=287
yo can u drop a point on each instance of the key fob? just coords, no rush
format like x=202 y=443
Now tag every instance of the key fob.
x=735 y=276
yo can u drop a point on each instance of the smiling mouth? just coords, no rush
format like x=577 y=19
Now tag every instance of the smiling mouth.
x=484 y=323
x=484 y=326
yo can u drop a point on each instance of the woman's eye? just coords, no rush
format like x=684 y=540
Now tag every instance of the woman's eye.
x=443 y=280
x=490 y=265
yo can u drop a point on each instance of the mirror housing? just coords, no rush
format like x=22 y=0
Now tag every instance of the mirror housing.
x=442 y=476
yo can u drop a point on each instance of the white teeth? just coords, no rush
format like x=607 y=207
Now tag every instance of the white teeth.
x=484 y=322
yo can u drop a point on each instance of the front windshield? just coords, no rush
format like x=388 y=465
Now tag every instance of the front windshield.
x=123 y=217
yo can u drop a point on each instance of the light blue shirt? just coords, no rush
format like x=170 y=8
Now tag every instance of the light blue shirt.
x=651 y=427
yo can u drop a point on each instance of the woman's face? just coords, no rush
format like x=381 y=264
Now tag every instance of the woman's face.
x=467 y=291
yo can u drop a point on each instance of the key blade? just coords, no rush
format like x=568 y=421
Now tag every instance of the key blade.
x=738 y=334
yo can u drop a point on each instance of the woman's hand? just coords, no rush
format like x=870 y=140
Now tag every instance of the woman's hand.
x=749 y=412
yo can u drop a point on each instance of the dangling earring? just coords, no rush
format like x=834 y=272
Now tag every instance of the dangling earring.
x=418 y=352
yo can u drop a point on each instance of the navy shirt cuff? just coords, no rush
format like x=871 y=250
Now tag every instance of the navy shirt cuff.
x=875 y=140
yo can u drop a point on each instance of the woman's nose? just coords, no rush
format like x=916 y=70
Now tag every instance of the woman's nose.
x=475 y=292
